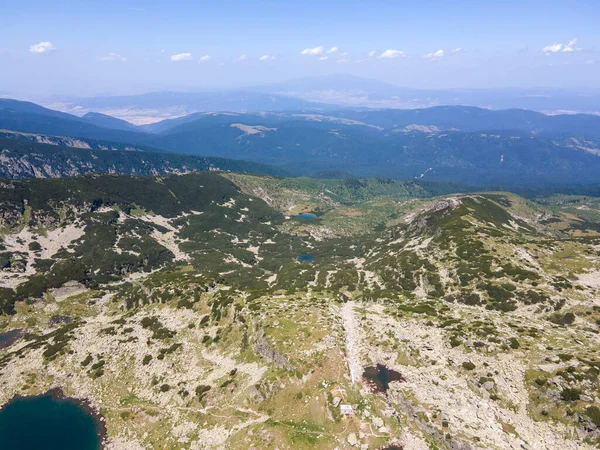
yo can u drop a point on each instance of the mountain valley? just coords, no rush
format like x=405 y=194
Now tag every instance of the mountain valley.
x=179 y=307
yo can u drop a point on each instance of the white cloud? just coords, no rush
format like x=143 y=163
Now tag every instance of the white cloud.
x=42 y=48
x=332 y=50
x=243 y=58
x=554 y=48
x=313 y=51
x=392 y=54
x=323 y=58
x=112 y=57
x=182 y=57
x=569 y=47
x=590 y=61
x=267 y=57
x=434 y=55
x=373 y=53
x=457 y=50
x=204 y=58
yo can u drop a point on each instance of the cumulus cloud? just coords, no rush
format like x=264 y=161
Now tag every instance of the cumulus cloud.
x=373 y=53
x=243 y=58
x=553 y=48
x=313 y=51
x=569 y=47
x=457 y=50
x=323 y=58
x=434 y=55
x=332 y=50
x=266 y=57
x=182 y=57
x=42 y=48
x=392 y=54
x=204 y=58
x=112 y=57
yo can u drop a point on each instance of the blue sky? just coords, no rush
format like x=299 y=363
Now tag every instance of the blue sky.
x=87 y=47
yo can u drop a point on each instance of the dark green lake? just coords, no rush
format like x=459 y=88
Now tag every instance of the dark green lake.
x=47 y=422
x=379 y=377
x=306 y=258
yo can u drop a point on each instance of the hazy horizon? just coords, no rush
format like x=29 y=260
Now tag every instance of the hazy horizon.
x=251 y=87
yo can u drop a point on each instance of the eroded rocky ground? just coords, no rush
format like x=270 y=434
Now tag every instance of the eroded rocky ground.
x=179 y=309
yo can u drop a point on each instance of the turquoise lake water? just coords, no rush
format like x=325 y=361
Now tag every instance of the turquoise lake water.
x=306 y=216
x=47 y=423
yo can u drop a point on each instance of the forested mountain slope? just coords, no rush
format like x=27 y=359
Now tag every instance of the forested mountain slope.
x=453 y=143
x=25 y=159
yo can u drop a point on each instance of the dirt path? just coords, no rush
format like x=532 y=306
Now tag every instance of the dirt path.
x=352 y=334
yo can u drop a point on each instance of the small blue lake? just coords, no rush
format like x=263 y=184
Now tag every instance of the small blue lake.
x=48 y=422
x=306 y=258
x=10 y=337
x=306 y=216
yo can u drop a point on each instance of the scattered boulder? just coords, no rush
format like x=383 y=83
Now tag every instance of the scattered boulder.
x=352 y=439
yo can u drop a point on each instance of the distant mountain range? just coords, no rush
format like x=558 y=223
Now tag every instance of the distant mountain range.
x=348 y=90
x=453 y=143
x=325 y=93
x=106 y=121
x=32 y=118
x=154 y=106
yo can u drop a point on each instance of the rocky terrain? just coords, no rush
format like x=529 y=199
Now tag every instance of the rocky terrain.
x=198 y=311
x=41 y=156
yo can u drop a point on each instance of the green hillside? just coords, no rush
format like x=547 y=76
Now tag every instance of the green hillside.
x=186 y=299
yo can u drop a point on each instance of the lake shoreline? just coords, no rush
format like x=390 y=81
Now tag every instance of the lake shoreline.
x=57 y=393
x=12 y=336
